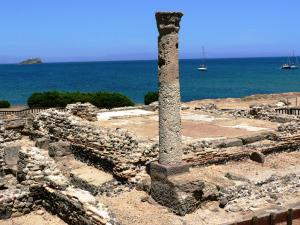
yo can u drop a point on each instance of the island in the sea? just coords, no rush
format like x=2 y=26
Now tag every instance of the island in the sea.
x=32 y=61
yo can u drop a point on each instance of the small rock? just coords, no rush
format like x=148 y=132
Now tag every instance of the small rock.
x=223 y=202
x=26 y=210
x=257 y=157
x=40 y=212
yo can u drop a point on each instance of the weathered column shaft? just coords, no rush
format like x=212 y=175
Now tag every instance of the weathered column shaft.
x=170 y=147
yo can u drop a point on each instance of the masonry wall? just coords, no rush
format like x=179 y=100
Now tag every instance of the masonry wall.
x=125 y=154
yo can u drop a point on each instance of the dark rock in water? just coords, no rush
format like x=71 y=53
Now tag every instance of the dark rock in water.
x=32 y=61
x=257 y=157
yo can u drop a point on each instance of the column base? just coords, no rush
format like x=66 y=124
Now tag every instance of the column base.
x=164 y=171
x=176 y=188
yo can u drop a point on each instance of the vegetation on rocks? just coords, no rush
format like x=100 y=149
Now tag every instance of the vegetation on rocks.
x=61 y=99
x=4 y=104
x=150 y=97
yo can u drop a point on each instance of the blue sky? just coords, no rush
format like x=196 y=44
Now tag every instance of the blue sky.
x=81 y=30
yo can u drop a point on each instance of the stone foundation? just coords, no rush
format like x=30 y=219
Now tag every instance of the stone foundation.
x=75 y=207
x=41 y=184
x=179 y=189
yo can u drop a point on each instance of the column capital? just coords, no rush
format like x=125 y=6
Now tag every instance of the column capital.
x=168 y=22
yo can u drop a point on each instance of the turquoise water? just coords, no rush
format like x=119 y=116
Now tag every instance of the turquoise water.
x=224 y=78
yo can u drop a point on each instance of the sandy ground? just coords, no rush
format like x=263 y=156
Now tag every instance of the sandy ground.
x=131 y=209
x=34 y=219
x=195 y=124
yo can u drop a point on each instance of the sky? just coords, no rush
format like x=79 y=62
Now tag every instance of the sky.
x=92 y=30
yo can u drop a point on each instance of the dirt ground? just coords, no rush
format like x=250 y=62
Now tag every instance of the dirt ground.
x=132 y=209
x=34 y=219
x=196 y=125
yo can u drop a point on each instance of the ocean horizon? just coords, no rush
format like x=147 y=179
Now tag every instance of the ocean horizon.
x=226 y=77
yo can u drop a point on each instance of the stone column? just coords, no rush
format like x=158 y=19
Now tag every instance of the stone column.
x=170 y=149
x=171 y=183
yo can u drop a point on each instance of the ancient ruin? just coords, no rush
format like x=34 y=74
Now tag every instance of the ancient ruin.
x=170 y=149
x=169 y=176
x=206 y=162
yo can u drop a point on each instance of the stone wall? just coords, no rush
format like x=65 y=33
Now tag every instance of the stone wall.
x=123 y=153
x=119 y=149
x=76 y=206
x=40 y=183
x=262 y=112
x=83 y=110
x=18 y=201
x=8 y=135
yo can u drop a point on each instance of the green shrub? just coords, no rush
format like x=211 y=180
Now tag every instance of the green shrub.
x=110 y=100
x=61 y=99
x=150 y=97
x=4 y=104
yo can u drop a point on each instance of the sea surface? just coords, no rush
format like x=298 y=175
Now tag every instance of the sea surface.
x=224 y=78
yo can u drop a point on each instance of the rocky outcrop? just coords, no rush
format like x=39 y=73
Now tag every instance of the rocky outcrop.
x=32 y=61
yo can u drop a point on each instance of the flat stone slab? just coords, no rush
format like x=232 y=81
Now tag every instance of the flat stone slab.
x=90 y=178
x=11 y=155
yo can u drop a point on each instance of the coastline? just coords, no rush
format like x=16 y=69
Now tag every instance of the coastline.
x=223 y=103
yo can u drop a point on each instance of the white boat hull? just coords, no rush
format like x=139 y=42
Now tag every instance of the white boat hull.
x=202 y=69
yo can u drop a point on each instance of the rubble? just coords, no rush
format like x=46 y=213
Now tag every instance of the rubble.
x=83 y=110
x=238 y=197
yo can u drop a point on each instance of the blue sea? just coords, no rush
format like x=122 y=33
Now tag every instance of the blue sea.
x=224 y=78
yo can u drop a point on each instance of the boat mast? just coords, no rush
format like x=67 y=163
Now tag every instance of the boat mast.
x=289 y=60
x=295 y=58
x=203 y=55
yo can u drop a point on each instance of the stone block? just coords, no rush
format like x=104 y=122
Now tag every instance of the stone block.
x=178 y=189
x=248 y=139
x=60 y=148
x=181 y=193
x=42 y=143
x=90 y=179
x=163 y=171
x=230 y=142
x=11 y=155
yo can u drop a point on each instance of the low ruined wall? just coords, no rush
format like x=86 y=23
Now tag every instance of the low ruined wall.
x=8 y=135
x=18 y=201
x=76 y=206
x=38 y=172
x=120 y=151
x=261 y=112
x=117 y=148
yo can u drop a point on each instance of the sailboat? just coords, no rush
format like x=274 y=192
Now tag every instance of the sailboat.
x=203 y=66
x=291 y=64
x=295 y=63
x=287 y=66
